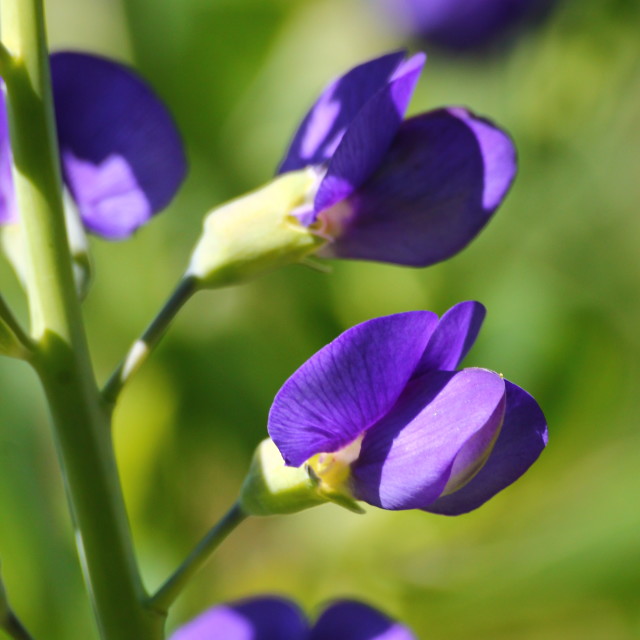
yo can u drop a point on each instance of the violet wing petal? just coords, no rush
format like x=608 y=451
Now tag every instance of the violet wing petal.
x=441 y=180
x=265 y=618
x=350 y=620
x=8 y=212
x=324 y=125
x=521 y=441
x=454 y=336
x=369 y=136
x=122 y=156
x=438 y=432
x=348 y=385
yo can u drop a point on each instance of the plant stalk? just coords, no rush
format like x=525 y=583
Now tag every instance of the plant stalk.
x=81 y=420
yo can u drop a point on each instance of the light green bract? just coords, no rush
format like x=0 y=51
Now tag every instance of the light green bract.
x=255 y=233
x=271 y=487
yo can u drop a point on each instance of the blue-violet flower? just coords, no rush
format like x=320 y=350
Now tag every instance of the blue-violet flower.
x=410 y=192
x=383 y=414
x=122 y=157
x=273 y=618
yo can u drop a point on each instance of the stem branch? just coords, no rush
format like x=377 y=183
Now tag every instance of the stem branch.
x=141 y=348
x=172 y=588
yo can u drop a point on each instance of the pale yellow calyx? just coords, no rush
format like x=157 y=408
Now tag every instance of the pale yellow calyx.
x=257 y=232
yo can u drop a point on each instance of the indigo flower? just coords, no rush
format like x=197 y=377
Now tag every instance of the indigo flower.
x=122 y=158
x=383 y=415
x=410 y=192
x=273 y=618
x=461 y=25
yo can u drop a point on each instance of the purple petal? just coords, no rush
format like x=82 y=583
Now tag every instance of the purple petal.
x=350 y=620
x=122 y=156
x=521 y=441
x=348 y=385
x=435 y=437
x=8 y=211
x=369 y=136
x=454 y=336
x=322 y=128
x=443 y=177
x=265 y=618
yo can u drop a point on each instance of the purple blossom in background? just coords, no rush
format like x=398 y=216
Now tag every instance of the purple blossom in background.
x=273 y=618
x=464 y=24
x=411 y=192
x=383 y=410
x=122 y=157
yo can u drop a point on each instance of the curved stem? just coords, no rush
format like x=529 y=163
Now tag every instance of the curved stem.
x=61 y=353
x=172 y=588
x=141 y=348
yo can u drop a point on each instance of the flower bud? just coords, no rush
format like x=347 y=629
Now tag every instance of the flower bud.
x=255 y=233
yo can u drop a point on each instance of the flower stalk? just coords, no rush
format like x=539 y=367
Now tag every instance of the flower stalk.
x=61 y=355
x=172 y=588
x=141 y=348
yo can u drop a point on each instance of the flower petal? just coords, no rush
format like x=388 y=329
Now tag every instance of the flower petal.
x=122 y=156
x=350 y=620
x=521 y=441
x=8 y=212
x=265 y=618
x=369 y=136
x=436 y=435
x=324 y=125
x=444 y=175
x=348 y=385
x=454 y=336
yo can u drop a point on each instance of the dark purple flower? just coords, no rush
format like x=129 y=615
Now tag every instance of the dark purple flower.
x=382 y=414
x=463 y=24
x=410 y=192
x=272 y=618
x=121 y=155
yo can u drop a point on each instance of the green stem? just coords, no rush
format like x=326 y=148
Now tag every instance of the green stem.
x=141 y=348
x=62 y=360
x=172 y=588
x=6 y=60
x=25 y=345
x=14 y=628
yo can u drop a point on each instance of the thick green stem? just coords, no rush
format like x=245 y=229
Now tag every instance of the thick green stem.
x=61 y=358
x=172 y=588
x=141 y=348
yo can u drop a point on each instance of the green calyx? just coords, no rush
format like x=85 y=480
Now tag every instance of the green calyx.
x=271 y=487
x=255 y=233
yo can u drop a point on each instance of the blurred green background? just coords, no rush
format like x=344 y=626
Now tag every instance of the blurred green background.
x=556 y=556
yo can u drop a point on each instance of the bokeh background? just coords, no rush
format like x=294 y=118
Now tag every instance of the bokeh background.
x=556 y=556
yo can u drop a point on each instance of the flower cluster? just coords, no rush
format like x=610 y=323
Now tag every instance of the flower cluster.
x=382 y=414
x=273 y=618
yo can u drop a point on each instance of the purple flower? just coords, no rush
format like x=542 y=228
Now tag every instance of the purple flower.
x=272 y=618
x=121 y=155
x=463 y=24
x=411 y=192
x=382 y=414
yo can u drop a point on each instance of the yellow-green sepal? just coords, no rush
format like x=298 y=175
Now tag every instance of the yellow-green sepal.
x=271 y=487
x=255 y=233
